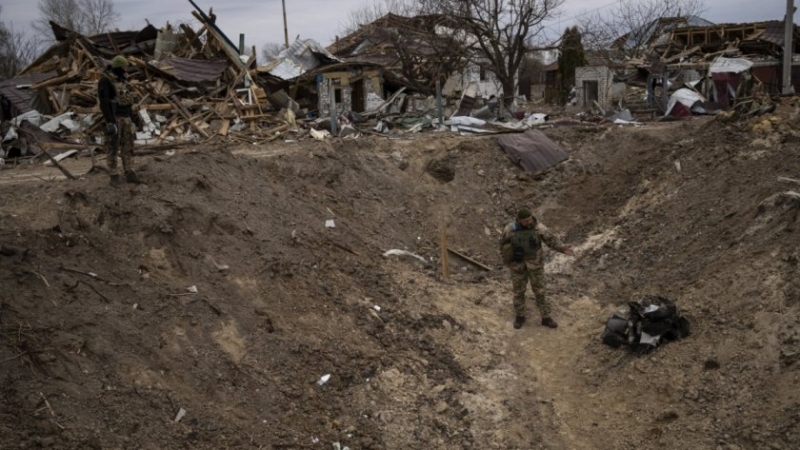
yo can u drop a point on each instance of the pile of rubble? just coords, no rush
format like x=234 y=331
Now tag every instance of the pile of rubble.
x=195 y=86
x=188 y=86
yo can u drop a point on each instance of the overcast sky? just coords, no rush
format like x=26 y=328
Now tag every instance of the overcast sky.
x=262 y=20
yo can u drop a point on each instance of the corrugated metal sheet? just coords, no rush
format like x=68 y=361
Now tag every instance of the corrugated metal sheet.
x=22 y=98
x=122 y=39
x=301 y=57
x=466 y=106
x=193 y=70
x=774 y=33
x=770 y=76
x=532 y=150
x=468 y=100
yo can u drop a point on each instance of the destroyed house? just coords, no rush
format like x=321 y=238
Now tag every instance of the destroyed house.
x=691 y=51
x=405 y=46
x=708 y=67
x=188 y=85
x=62 y=66
x=320 y=80
x=758 y=38
x=415 y=51
x=654 y=32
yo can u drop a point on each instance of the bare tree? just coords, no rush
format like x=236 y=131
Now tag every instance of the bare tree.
x=271 y=50
x=98 y=15
x=428 y=48
x=371 y=10
x=87 y=17
x=417 y=49
x=16 y=51
x=500 y=31
x=626 y=30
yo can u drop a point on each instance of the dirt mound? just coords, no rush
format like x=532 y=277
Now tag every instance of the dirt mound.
x=104 y=339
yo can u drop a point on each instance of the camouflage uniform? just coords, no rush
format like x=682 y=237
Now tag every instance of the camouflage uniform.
x=116 y=103
x=522 y=252
x=122 y=141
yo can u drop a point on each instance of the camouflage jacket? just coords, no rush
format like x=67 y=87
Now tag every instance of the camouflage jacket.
x=534 y=258
x=114 y=96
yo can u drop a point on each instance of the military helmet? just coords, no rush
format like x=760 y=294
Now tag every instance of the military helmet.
x=119 y=61
x=524 y=213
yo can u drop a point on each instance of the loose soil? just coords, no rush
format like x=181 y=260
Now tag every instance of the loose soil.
x=103 y=342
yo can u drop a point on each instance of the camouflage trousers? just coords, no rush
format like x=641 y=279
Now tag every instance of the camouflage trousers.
x=521 y=274
x=121 y=144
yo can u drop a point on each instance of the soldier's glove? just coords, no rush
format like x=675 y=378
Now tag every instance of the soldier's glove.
x=518 y=255
x=111 y=129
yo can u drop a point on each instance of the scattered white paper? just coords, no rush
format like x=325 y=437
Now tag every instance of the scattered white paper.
x=396 y=252
x=181 y=414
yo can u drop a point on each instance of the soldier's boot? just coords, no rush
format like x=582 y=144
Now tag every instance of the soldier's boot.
x=549 y=322
x=116 y=179
x=130 y=177
x=518 y=322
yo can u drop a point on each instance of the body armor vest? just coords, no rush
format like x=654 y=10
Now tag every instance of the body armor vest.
x=527 y=240
x=122 y=96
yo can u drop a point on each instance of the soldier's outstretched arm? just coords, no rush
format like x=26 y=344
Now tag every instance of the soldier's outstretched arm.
x=552 y=240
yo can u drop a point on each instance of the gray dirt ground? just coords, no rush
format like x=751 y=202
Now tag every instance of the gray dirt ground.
x=101 y=343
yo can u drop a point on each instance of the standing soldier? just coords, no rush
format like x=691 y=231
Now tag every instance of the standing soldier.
x=521 y=248
x=116 y=104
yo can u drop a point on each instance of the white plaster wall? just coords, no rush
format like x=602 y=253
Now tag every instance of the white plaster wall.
x=487 y=87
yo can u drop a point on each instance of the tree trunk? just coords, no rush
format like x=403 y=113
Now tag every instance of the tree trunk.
x=508 y=92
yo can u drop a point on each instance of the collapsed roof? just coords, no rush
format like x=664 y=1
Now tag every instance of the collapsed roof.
x=651 y=32
x=301 y=57
x=415 y=51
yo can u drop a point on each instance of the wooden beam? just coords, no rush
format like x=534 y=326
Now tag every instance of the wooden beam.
x=166 y=132
x=682 y=54
x=99 y=64
x=443 y=251
x=278 y=129
x=52 y=81
x=186 y=115
x=58 y=165
x=223 y=129
x=468 y=259
x=62 y=146
x=257 y=116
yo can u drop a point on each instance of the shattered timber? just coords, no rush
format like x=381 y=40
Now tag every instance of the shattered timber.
x=269 y=287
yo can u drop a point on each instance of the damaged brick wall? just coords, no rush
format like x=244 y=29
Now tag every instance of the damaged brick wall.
x=594 y=83
x=344 y=97
x=374 y=92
